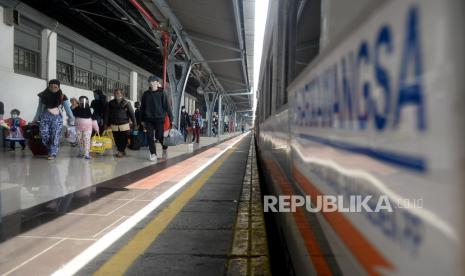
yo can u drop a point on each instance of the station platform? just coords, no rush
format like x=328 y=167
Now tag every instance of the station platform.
x=27 y=181
x=196 y=213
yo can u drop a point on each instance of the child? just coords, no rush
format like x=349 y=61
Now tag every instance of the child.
x=84 y=125
x=15 y=124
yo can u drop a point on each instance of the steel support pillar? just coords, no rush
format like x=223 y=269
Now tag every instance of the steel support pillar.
x=177 y=85
x=210 y=101
x=220 y=116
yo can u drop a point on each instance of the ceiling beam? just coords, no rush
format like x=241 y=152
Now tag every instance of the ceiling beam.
x=218 y=60
x=238 y=82
x=213 y=41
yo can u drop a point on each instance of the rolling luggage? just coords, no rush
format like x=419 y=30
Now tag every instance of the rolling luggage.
x=37 y=147
x=32 y=133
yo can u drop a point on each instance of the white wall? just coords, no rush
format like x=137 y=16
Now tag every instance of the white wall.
x=16 y=91
x=6 y=46
x=20 y=91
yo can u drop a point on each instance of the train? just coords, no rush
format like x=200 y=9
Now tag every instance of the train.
x=364 y=99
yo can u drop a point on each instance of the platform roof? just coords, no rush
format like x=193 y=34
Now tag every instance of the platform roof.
x=219 y=35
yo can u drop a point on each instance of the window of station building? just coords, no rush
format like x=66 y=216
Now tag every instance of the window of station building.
x=27 y=47
x=112 y=85
x=85 y=69
x=82 y=78
x=26 y=61
x=98 y=82
x=142 y=85
x=65 y=72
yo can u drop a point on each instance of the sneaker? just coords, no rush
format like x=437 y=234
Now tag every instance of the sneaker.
x=152 y=157
x=119 y=154
x=80 y=155
x=87 y=157
x=51 y=157
x=165 y=153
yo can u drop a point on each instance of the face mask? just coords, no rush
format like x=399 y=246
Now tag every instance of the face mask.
x=83 y=102
x=154 y=85
x=119 y=99
x=14 y=116
x=183 y=110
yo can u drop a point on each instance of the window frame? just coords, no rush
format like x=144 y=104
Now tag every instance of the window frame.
x=16 y=64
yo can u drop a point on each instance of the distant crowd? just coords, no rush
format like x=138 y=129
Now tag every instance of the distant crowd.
x=151 y=118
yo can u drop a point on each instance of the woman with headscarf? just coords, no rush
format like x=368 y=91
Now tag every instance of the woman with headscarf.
x=49 y=112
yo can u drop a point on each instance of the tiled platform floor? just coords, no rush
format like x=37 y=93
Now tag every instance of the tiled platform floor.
x=54 y=242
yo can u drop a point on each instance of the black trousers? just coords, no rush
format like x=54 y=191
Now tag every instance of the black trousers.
x=184 y=132
x=121 y=139
x=13 y=143
x=155 y=129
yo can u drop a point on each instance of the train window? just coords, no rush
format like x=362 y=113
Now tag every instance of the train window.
x=308 y=29
x=270 y=87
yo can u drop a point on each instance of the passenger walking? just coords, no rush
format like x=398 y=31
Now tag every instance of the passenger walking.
x=197 y=123
x=84 y=125
x=2 y=112
x=185 y=123
x=215 y=124
x=99 y=105
x=154 y=108
x=49 y=112
x=118 y=115
x=15 y=124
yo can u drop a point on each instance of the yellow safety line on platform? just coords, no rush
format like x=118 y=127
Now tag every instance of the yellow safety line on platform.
x=125 y=257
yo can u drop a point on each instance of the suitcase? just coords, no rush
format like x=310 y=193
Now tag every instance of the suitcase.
x=135 y=142
x=32 y=133
x=37 y=147
x=143 y=139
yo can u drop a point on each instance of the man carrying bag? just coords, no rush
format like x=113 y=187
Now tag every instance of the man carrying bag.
x=153 y=110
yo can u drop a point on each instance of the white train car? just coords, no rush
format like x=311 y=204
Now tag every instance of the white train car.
x=374 y=110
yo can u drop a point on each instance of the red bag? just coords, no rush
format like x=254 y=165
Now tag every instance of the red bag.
x=166 y=125
x=37 y=147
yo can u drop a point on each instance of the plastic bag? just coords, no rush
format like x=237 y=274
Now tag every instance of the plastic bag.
x=174 y=138
x=71 y=135
x=99 y=144
x=107 y=138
